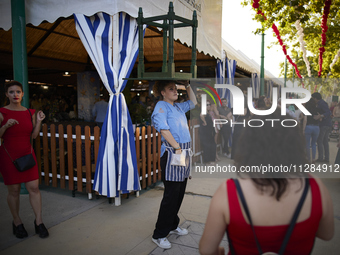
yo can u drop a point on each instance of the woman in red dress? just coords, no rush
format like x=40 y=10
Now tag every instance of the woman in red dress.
x=271 y=197
x=17 y=125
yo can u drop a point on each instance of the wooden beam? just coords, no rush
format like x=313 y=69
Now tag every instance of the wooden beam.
x=42 y=39
x=47 y=63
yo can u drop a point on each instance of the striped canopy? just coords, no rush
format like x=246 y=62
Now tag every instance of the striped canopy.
x=112 y=43
x=270 y=89
x=255 y=84
x=225 y=75
x=226 y=70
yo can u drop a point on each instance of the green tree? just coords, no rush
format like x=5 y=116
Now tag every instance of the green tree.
x=284 y=14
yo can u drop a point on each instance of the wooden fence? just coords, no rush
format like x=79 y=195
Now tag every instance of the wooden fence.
x=68 y=154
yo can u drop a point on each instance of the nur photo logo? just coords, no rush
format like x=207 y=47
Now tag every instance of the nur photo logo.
x=238 y=99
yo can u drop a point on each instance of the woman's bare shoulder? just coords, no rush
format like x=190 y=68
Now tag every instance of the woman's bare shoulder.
x=220 y=200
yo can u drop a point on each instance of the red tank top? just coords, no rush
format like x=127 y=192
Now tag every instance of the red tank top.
x=271 y=237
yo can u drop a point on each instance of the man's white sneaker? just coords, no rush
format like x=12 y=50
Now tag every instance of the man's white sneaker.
x=179 y=231
x=227 y=155
x=162 y=243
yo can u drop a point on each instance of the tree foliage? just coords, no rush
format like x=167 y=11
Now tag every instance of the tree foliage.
x=285 y=13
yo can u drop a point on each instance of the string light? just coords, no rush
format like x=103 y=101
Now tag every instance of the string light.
x=302 y=46
x=323 y=34
x=256 y=6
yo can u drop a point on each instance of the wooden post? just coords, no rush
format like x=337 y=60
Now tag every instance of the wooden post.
x=159 y=156
x=61 y=156
x=143 y=159
x=154 y=155
x=70 y=158
x=53 y=156
x=149 y=155
x=96 y=143
x=38 y=155
x=79 y=160
x=88 y=159
x=138 y=149
x=46 y=157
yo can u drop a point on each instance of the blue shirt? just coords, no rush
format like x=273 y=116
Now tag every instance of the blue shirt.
x=172 y=117
x=99 y=110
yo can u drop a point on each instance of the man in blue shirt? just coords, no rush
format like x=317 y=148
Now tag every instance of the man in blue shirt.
x=324 y=117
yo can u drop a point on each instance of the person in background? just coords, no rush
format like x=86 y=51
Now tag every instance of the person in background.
x=336 y=112
x=261 y=103
x=17 y=125
x=35 y=103
x=72 y=107
x=225 y=113
x=99 y=111
x=333 y=104
x=207 y=137
x=63 y=110
x=238 y=128
x=311 y=129
x=53 y=108
x=268 y=102
x=170 y=121
x=325 y=127
x=298 y=114
x=337 y=158
x=214 y=114
x=271 y=198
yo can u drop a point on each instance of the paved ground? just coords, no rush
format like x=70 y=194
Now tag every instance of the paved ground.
x=81 y=226
x=186 y=244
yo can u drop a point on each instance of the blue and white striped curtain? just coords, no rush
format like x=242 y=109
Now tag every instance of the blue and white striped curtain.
x=228 y=70
x=112 y=44
x=270 y=90
x=220 y=75
x=255 y=84
x=225 y=76
x=279 y=93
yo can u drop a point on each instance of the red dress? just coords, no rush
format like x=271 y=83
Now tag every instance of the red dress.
x=17 y=142
x=271 y=237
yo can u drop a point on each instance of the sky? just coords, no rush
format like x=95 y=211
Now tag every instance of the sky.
x=238 y=29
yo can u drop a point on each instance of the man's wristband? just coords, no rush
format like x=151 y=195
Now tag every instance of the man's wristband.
x=178 y=148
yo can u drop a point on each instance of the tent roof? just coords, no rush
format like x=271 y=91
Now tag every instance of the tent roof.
x=53 y=48
x=209 y=15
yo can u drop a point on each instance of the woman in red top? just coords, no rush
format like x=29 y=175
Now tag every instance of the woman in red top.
x=17 y=125
x=271 y=198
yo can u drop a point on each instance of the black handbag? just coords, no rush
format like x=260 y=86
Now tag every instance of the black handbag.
x=25 y=162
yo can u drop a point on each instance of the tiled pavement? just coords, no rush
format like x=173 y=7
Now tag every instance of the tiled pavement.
x=81 y=226
x=188 y=244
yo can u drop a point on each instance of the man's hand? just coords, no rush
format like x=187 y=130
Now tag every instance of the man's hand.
x=318 y=117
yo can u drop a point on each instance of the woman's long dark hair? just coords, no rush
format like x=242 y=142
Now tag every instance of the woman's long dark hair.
x=271 y=145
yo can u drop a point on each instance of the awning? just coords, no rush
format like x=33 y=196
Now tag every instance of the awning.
x=244 y=62
x=209 y=14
